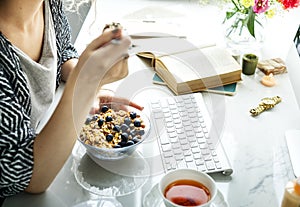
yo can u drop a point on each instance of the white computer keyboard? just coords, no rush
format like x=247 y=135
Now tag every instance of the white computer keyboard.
x=182 y=126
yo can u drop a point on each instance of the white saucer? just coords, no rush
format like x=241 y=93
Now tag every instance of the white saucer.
x=153 y=199
x=103 y=202
x=112 y=180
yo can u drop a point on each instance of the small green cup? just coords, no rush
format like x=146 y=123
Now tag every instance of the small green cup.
x=249 y=64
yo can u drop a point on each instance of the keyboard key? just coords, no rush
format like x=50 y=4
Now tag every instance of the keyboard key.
x=179 y=157
x=178 y=125
x=205 y=151
x=173 y=140
x=180 y=131
x=185 y=146
x=200 y=134
x=172 y=133
x=187 y=153
x=210 y=165
x=216 y=159
x=189 y=158
x=165 y=110
x=171 y=130
x=176 y=145
x=168 y=154
x=177 y=122
x=177 y=151
x=218 y=165
x=176 y=116
x=166 y=147
x=190 y=134
x=181 y=164
x=168 y=115
x=199 y=162
x=191 y=165
x=197 y=155
x=195 y=150
x=201 y=168
x=164 y=140
x=181 y=136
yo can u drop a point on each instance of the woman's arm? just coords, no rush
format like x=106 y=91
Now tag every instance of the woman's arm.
x=67 y=68
x=54 y=144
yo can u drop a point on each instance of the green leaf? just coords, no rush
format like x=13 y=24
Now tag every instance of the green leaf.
x=230 y=14
x=250 y=22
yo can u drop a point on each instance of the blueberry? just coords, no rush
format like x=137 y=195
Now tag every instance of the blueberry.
x=109 y=137
x=88 y=120
x=133 y=133
x=104 y=109
x=135 y=139
x=122 y=143
x=94 y=118
x=141 y=132
x=132 y=115
x=108 y=119
x=129 y=143
x=127 y=121
x=100 y=122
x=117 y=146
x=137 y=123
x=117 y=128
x=124 y=127
x=124 y=137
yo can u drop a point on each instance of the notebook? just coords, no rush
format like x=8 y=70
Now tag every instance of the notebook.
x=185 y=136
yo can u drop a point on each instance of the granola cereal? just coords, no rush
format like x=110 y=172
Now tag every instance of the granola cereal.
x=112 y=129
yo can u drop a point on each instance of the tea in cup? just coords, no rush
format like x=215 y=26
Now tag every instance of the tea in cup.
x=187 y=187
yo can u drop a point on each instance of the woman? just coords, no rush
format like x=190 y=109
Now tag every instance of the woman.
x=35 y=56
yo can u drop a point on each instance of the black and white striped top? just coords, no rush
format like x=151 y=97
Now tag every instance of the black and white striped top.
x=16 y=134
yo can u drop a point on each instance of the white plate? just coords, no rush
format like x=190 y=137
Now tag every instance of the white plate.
x=103 y=202
x=153 y=199
x=110 y=180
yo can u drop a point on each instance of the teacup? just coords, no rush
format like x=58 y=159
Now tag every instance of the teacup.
x=187 y=187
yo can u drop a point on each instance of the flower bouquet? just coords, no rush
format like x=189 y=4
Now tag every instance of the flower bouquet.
x=245 y=18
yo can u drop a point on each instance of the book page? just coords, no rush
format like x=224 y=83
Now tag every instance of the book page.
x=181 y=71
x=221 y=60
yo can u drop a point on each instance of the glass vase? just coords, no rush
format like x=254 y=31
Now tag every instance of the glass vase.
x=238 y=38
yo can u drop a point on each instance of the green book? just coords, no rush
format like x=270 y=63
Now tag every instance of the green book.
x=229 y=89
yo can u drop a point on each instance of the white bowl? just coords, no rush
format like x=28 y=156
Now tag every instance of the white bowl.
x=104 y=153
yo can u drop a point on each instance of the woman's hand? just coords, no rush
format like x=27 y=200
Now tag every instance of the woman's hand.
x=108 y=99
x=105 y=58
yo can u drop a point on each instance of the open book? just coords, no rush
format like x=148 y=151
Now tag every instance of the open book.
x=186 y=68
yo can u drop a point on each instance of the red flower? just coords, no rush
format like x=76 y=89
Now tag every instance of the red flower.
x=261 y=6
x=289 y=4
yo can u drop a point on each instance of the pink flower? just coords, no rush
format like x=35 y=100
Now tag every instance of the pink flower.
x=289 y=4
x=260 y=6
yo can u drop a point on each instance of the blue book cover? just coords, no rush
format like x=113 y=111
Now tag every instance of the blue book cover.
x=229 y=89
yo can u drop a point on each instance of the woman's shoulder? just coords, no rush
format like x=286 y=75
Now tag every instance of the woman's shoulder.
x=7 y=54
